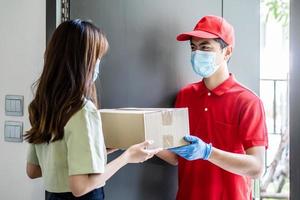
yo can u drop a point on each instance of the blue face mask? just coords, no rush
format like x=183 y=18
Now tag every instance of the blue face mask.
x=204 y=63
x=97 y=70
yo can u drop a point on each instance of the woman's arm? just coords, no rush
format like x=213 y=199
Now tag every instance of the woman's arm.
x=33 y=171
x=82 y=184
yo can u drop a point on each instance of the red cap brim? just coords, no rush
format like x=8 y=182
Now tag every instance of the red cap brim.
x=199 y=34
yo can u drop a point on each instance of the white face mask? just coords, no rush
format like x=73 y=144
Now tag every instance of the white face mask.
x=204 y=63
x=97 y=70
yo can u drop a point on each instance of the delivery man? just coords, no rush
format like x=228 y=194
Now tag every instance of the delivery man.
x=227 y=122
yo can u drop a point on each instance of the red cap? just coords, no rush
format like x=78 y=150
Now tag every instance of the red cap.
x=211 y=27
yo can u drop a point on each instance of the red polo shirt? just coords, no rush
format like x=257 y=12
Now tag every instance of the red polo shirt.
x=232 y=118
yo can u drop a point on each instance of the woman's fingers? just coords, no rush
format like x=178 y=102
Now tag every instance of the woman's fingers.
x=153 y=151
x=145 y=144
x=140 y=152
x=149 y=153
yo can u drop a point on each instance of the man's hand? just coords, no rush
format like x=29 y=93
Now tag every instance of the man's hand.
x=197 y=149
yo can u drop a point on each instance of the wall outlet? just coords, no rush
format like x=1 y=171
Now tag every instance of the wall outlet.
x=14 y=105
x=13 y=131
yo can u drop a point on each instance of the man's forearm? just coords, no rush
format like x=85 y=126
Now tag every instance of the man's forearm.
x=168 y=156
x=250 y=164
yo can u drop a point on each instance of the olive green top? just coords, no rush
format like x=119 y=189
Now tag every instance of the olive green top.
x=81 y=151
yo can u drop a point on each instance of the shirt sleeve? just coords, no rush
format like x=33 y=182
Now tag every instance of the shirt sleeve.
x=85 y=143
x=31 y=155
x=252 y=126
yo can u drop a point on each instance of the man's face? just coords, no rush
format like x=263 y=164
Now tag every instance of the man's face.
x=211 y=45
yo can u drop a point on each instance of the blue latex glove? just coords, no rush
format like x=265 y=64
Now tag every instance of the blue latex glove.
x=197 y=149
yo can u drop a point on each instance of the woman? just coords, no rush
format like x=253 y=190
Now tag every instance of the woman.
x=66 y=142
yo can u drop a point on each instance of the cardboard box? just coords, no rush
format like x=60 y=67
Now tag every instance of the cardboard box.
x=127 y=126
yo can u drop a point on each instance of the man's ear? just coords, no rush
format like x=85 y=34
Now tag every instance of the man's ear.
x=228 y=52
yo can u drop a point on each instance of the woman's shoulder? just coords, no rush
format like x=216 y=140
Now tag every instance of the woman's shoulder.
x=86 y=114
x=89 y=106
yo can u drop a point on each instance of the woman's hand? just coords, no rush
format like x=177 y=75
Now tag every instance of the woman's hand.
x=138 y=153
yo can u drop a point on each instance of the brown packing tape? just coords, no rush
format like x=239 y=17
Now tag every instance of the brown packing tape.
x=167 y=117
x=168 y=141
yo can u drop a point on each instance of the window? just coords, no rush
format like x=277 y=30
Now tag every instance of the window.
x=274 y=94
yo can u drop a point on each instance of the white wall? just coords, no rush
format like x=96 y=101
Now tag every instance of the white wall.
x=22 y=43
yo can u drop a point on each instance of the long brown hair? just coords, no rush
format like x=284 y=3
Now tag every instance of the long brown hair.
x=67 y=79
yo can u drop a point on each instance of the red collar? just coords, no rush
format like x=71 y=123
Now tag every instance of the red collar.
x=220 y=89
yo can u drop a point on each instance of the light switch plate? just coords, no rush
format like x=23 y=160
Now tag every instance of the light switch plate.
x=14 y=105
x=13 y=131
